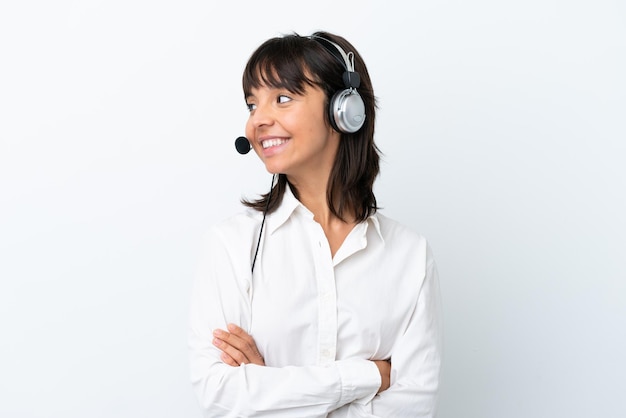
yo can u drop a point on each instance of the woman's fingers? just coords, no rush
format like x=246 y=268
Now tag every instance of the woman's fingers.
x=248 y=345
x=237 y=346
x=231 y=355
x=384 y=367
x=240 y=333
x=230 y=345
x=228 y=360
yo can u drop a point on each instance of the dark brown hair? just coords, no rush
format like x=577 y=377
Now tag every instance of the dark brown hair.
x=292 y=62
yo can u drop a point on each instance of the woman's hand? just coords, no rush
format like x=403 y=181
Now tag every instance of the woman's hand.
x=237 y=346
x=384 y=367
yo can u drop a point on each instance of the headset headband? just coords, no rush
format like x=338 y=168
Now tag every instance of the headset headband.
x=351 y=78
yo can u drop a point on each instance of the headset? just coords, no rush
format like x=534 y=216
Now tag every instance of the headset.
x=346 y=107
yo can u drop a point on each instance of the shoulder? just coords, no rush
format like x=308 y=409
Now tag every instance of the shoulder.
x=394 y=231
x=401 y=239
x=239 y=222
x=226 y=247
x=403 y=246
x=235 y=231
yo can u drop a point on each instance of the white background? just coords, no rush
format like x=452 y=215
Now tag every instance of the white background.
x=503 y=128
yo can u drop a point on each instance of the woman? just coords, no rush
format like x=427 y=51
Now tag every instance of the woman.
x=312 y=303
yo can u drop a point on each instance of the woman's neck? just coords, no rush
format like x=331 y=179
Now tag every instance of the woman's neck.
x=312 y=194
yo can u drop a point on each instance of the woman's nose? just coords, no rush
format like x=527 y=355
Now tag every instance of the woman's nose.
x=262 y=115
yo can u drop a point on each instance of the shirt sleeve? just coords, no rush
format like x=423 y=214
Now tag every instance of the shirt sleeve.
x=415 y=361
x=220 y=296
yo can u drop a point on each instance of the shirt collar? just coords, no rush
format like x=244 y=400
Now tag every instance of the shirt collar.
x=373 y=219
x=290 y=204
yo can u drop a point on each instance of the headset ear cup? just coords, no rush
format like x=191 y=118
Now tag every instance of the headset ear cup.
x=331 y=111
x=347 y=111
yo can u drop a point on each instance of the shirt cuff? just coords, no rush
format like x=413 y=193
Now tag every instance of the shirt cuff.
x=360 y=380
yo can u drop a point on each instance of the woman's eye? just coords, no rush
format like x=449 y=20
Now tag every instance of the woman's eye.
x=283 y=99
x=250 y=106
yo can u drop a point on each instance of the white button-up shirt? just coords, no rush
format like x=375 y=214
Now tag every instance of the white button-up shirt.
x=317 y=320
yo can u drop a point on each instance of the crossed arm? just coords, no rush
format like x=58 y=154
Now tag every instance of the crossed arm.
x=238 y=347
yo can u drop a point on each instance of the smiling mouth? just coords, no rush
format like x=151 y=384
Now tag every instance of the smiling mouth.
x=272 y=142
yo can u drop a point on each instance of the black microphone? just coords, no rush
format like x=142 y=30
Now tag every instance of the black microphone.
x=243 y=145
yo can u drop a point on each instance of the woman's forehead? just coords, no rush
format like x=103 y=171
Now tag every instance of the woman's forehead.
x=290 y=77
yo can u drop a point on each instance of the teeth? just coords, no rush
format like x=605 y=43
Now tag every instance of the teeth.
x=273 y=142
